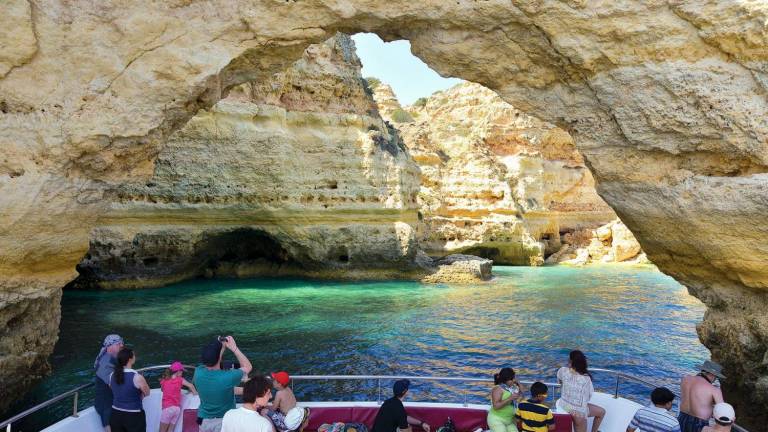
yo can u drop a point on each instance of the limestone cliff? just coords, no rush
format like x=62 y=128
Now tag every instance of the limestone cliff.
x=297 y=175
x=665 y=100
x=610 y=243
x=495 y=181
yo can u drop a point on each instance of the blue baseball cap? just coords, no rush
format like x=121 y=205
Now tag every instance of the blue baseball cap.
x=400 y=387
x=211 y=353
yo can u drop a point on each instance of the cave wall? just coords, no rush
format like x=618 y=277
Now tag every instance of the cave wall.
x=665 y=100
x=302 y=159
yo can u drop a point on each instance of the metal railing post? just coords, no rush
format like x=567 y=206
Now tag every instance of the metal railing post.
x=74 y=405
x=616 y=391
x=464 y=392
x=378 y=400
x=8 y=429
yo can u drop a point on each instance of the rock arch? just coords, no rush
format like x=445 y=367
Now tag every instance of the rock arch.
x=666 y=101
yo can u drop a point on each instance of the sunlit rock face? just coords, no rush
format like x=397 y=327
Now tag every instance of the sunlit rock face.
x=495 y=181
x=294 y=176
x=665 y=101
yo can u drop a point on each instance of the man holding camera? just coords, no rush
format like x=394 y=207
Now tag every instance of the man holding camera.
x=216 y=386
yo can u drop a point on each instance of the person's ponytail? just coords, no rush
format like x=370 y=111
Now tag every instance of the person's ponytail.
x=123 y=357
x=496 y=379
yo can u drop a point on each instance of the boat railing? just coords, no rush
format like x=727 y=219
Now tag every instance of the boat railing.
x=554 y=387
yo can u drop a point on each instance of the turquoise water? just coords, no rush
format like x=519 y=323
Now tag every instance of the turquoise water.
x=632 y=319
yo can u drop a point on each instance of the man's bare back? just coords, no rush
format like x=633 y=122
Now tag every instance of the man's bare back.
x=284 y=400
x=698 y=396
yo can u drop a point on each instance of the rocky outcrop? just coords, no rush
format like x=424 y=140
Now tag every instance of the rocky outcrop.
x=610 y=243
x=495 y=181
x=665 y=101
x=459 y=269
x=294 y=176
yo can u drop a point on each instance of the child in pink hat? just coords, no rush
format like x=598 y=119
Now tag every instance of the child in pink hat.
x=171 y=383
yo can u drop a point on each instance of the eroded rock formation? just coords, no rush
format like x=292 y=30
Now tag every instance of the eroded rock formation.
x=495 y=181
x=665 y=100
x=297 y=175
x=610 y=243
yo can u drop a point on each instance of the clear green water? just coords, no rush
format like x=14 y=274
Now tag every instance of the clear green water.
x=631 y=319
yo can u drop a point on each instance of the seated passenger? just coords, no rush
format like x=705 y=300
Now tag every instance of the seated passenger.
x=656 y=417
x=724 y=418
x=532 y=415
x=392 y=415
x=576 y=391
x=256 y=394
x=501 y=416
x=284 y=401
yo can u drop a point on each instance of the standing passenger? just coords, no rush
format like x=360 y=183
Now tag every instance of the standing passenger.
x=576 y=392
x=215 y=386
x=698 y=396
x=104 y=365
x=171 y=383
x=128 y=389
x=501 y=416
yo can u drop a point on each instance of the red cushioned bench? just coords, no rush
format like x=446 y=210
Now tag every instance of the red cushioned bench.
x=466 y=419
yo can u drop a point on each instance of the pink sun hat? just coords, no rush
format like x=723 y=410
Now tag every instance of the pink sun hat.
x=177 y=366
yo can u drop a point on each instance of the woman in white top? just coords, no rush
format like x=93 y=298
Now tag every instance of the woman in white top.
x=576 y=391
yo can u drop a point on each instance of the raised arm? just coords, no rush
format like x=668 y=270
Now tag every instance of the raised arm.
x=245 y=364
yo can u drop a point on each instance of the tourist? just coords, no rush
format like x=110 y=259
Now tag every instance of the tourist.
x=284 y=401
x=216 y=386
x=698 y=396
x=128 y=389
x=256 y=394
x=576 y=391
x=392 y=415
x=501 y=416
x=104 y=365
x=171 y=383
x=724 y=418
x=532 y=415
x=656 y=417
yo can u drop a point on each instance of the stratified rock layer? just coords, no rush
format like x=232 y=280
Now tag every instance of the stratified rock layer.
x=295 y=176
x=665 y=100
x=495 y=181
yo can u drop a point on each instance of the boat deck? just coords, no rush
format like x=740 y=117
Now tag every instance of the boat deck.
x=466 y=418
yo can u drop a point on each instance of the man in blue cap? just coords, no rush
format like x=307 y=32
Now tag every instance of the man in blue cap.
x=103 y=366
x=392 y=415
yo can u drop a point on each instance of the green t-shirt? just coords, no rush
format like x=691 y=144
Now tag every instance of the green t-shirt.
x=216 y=389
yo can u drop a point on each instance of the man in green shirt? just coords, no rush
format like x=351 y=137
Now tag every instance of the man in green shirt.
x=216 y=386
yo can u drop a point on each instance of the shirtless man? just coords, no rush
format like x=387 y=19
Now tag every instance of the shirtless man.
x=698 y=396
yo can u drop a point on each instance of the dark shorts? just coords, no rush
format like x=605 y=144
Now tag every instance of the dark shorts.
x=689 y=423
x=103 y=401
x=121 y=421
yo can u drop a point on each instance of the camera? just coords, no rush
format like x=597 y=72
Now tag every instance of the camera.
x=222 y=339
x=227 y=365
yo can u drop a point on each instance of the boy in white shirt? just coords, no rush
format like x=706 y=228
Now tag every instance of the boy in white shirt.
x=256 y=395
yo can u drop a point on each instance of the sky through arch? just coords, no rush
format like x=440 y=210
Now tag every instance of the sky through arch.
x=393 y=63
